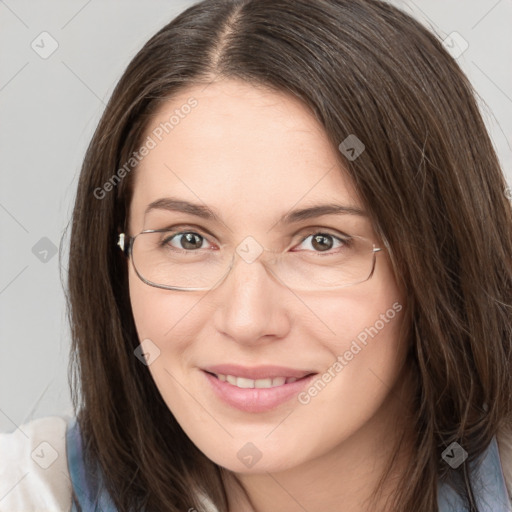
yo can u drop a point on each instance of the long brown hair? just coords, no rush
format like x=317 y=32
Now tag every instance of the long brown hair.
x=429 y=178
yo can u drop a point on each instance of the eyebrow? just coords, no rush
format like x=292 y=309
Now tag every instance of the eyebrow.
x=204 y=212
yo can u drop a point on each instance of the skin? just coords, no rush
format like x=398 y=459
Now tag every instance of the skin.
x=244 y=150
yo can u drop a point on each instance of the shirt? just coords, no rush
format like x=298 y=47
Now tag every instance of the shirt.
x=40 y=464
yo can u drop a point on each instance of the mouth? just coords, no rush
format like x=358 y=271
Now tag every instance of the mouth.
x=257 y=390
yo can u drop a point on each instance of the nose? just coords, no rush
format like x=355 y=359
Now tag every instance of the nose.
x=251 y=304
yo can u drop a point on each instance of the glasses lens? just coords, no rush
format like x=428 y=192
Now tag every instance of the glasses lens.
x=163 y=262
x=159 y=260
x=347 y=265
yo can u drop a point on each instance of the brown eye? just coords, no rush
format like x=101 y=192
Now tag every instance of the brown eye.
x=322 y=242
x=188 y=241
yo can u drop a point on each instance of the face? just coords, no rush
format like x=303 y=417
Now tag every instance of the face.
x=252 y=156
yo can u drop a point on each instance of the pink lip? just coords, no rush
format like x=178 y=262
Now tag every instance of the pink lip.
x=256 y=399
x=257 y=372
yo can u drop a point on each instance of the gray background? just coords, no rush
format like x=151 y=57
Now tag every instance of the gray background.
x=49 y=108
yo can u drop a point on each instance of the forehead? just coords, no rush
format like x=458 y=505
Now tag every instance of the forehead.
x=241 y=150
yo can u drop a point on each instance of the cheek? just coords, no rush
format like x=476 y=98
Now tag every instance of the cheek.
x=366 y=360
x=366 y=349
x=166 y=322
x=364 y=316
x=162 y=315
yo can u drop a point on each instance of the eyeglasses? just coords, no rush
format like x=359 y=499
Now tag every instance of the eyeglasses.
x=159 y=263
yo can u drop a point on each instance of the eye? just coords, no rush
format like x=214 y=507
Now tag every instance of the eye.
x=323 y=242
x=187 y=240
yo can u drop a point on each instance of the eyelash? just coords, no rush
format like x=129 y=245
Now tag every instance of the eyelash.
x=340 y=237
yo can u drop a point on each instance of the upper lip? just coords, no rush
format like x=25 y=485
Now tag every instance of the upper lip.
x=257 y=372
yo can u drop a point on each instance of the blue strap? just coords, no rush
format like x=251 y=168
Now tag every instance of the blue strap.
x=487 y=480
x=92 y=497
x=488 y=485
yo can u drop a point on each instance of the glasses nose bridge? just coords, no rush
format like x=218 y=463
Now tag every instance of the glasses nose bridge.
x=250 y=254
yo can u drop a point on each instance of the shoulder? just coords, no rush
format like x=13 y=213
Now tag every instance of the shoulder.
x=504 y=440
x=33 y=467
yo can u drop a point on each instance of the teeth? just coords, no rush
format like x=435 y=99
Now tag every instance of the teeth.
x=262 y=383
x=278 y=381
x=231 y=379
x=242 y=382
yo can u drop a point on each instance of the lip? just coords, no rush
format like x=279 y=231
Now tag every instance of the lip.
x=256 y=400
x=257 y=372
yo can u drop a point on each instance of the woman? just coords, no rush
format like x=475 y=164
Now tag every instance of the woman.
x=290 y=280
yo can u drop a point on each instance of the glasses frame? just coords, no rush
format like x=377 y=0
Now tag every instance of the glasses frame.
x=125 y=243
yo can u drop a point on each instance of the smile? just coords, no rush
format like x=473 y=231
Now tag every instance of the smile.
x=255 y=395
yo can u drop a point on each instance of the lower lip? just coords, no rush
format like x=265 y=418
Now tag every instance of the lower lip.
x=256 y=399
